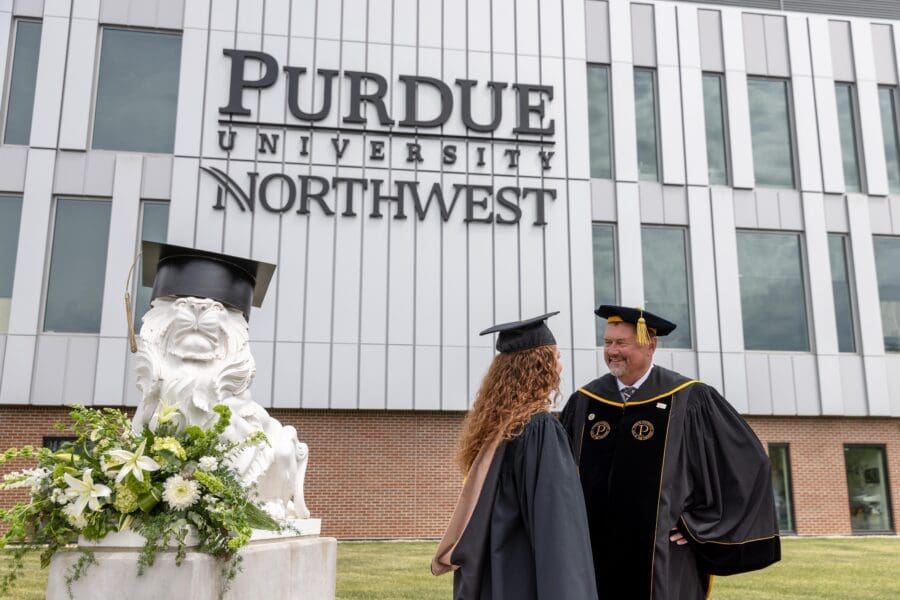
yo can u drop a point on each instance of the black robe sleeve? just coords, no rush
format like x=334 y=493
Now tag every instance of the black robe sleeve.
x=553 y=512
x=729 y=517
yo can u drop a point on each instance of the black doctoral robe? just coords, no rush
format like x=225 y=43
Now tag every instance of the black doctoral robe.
x=676 y=455
x=527 y=538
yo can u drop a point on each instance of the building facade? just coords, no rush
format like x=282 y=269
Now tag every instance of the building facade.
x=422 y=169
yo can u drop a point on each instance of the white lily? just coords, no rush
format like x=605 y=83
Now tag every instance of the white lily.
x=85 y=492
x=133 y=462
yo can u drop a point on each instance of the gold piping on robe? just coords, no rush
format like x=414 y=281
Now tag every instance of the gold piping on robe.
x=653 y=399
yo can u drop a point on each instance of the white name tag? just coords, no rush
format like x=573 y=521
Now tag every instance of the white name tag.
x=661 y=405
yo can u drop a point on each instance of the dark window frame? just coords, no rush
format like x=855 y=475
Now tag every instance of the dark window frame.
x=892 y=527
x=53 y=442
x=790 y=483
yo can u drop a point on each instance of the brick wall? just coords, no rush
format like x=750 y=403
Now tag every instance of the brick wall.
x=376 y=474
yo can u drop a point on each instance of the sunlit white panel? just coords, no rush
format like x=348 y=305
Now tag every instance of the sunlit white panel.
x=781 y=374
x=190 y=92
x=18 y=359
x=807 y=134
x=401 y=268
x=224 y=15
x=581 y=256
x=532 y=248
x=820 y=46
x=400 y=377
x=406 y=16
x=863 y=257
x=196 y=14
x=829 y=136
x=319 y=270
x=208 y=232
x=328 y=19
x=316 y=370
x=686 y=49
x=877 y=393
x=559 y=286
x=798 y=42
x=694 y=122
x=286 y=375
x=527 y=27
x=264 y=246
x=619 y=31
x=556 y=110
x=506 y=257
x=427 y=392
x=504 y=36
x=670 y=125
x=110 y=377
x=183 y=204
x=427 y=256
x=277 y=17
x=703 y=270
x=454 y=378
x=262 y=386
x=372 y=376
x=76 y=108
x=303 y=22
x=551 y=27
x=578 y=162
x=272 y=106
x=48 y=92
x=355 y=20
x=727 y=282
x=576 y=22
x=238 y=226
x=218 y=74
x=454 y=272
x=625 y=139
x=250 y=16
x=480 y=295
x=739 y=130
x=344 y=376
x=776 y=46
x=628 y=235
x=478 y=23
x=49 y=364
x=712 y=58
x=431 y=23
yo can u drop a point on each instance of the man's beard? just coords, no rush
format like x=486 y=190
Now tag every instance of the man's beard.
x=617 y=369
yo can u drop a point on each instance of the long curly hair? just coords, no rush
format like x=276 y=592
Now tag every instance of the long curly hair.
x=517 y=386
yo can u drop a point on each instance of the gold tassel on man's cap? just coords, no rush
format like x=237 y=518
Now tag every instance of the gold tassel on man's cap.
x=643 y=337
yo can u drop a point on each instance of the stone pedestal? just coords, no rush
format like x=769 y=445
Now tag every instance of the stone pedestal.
x=287 y=567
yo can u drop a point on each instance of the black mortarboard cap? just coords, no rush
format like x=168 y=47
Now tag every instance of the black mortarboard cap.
x=523 y=335
x=179 y=271
x=618 y=314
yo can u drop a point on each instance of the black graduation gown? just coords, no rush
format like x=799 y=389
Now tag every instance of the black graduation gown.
x=527 y=537
x=677 y=455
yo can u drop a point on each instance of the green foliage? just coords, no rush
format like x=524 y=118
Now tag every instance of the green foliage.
x=164 y=484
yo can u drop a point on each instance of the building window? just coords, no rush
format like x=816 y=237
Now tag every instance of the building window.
x=137 y=91
x=773 y=297
x=770 y=125
x=840 y=285
x=10 y=215
x=714 y=112
x=888 y=100
x=867 y=488
x=605 y=291
x=645 y=123
x=665 y=257
x=848 y=124
x=55 y=442
x=780 y=458
x=154 y=228
x=599 y=121
x=887 y=267
x=77 y=266
x=20 y=105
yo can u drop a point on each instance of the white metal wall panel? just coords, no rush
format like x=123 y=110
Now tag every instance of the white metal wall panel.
x=156 y=177
x=49 y=370
x=703 y=270
x=121 y=245
x=556 y=260
x=853 y=385
x=828 y=375
x=237 y=235
x=745 y=212
x=880 y=216
x=582 y=283
x=303 y=17
x=264 y=245
x=596 y=19
x=6 y=32
x=209 y=231
x=693 y=120
x=820 y=46
x=57 y=8
x=829 y=136
x=736 y=99
x=630 y=265
x=68 y=176
x=836 y=213
x=380 y=18
x=109 y=379
x=191 y=86
x=372 y=375
x=670 y=125
x=754 y=43
x=35 y=220
x=577 y=155
x=576 y=30
x=623 y=123
x=550 y=19
x=454 y=378
x=453 y=23
x=709 y=25
x=183 y=205
x=783 y=385
x=506 y=265
x=80 y=367
x=872 y=137
x=877 y=393
x=884 y=53
x=892 y=366
x=347 y=267
x=727 y=281
x=401 y=271
x=264 y=355
x=355 y=20
x=863 y=257
x=2 y=356
x=759 y=388
x=527 y=27
x=502 y=14
x=427 y=392
x=18 y=363
x=316 y=371
x=777 y=60
x=807 y=139
x=49 y=86
x=218 y=72
x=643 y=35
x=400 y=377
x=806 y=394
x=862 y=52
x=328 y=19
x=841 y=50
x=709 y=369
x=603 y=200
x=196 y=14
x=344 y=375
x=27 y=8
x=319 y=274
x=478 y=24
x=286 y=384
x=651 y=200
x=12 y=175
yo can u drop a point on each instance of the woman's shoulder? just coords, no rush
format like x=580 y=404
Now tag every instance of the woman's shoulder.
x=541 y=423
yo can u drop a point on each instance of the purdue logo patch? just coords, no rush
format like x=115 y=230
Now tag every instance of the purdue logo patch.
x=600 y=430
x=642 y=430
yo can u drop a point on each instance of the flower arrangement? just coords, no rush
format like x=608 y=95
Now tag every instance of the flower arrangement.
x=162 y=484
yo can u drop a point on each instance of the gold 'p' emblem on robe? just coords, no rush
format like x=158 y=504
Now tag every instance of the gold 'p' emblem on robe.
x=600 y=430
x=642 y=430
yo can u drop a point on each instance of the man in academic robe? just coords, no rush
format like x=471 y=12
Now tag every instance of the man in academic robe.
x=519 y=530
x=677 y=486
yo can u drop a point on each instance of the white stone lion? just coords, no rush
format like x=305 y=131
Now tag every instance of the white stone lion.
x=195 y=355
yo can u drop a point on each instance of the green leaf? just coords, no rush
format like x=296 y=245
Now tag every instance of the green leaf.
x=148 y=500
x=257 y=518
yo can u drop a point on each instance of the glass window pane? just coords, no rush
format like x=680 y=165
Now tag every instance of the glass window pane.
x=773 y=300
x=77 y=266
x=645 y=122
x=604 y=270
x=840 y=285
x=781 y=486
x=10 y=215
x=154 y=228
x=887 y=266
x=137 y=91
x=888 y=100
x=770 y=127
x=664 y=252
x=847 y=127
x=598 y=121
x=21 y=83
x=867 y=488
x=714 y=110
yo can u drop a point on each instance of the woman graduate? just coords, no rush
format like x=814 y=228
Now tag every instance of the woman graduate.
x=519 y=530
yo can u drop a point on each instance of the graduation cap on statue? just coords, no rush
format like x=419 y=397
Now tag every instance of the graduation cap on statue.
x=523 y=335
x=180 y=271
x=646 y=322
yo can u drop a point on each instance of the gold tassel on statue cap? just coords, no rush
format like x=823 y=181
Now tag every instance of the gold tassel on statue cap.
x=129 y=311
x=643 y=337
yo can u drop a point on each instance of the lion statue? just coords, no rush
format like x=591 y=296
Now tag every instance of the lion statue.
x=195 y=355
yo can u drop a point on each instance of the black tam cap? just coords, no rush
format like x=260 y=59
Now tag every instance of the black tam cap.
x=523 y=335
x=623 y=314
x=178 y=271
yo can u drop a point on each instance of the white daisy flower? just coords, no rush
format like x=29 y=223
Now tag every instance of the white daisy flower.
x=180 y=493
x=209 y=463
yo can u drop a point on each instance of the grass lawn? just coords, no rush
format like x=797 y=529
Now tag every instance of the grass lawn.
x=812 y=569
